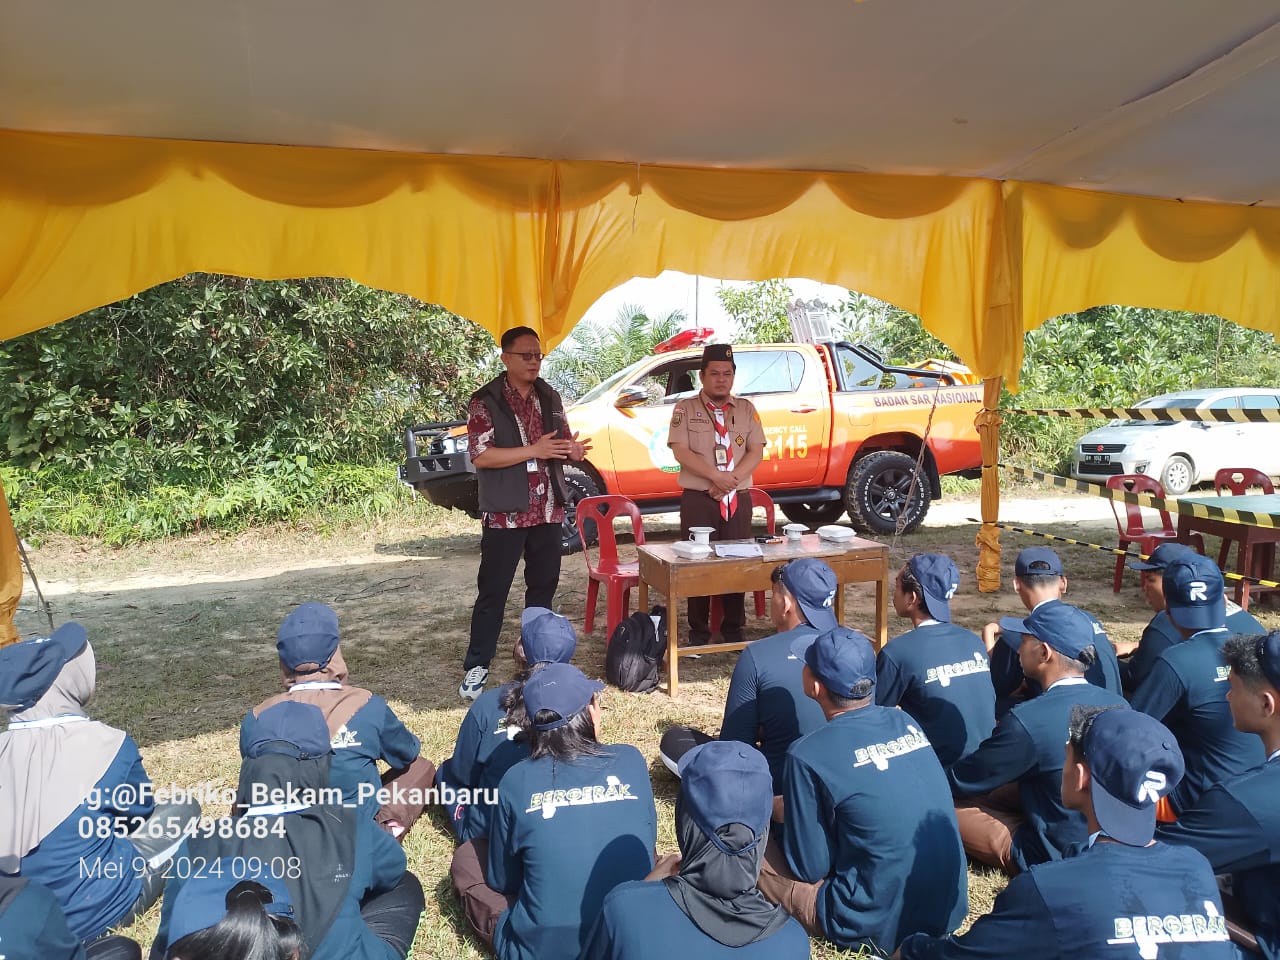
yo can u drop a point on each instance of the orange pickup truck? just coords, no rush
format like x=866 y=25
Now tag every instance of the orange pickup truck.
x=843 y=430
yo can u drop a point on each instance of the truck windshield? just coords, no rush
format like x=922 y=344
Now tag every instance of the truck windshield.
x=605 y=386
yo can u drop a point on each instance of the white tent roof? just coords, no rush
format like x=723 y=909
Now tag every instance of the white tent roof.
x=1170 y=98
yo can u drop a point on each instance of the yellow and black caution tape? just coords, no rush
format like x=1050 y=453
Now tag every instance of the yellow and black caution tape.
x=1157 y=414
x=1251 y=518
x=1112 y=550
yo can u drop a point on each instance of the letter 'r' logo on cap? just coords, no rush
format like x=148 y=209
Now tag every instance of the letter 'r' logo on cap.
x=1149 y=792
x=1198 y=589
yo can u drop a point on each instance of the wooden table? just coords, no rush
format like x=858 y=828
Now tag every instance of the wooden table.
x=1248 y=538
x=854 y=561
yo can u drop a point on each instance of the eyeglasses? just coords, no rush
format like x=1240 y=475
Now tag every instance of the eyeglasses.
x=526 y=357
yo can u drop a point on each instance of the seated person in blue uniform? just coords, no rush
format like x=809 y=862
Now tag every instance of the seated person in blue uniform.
x=362 y=727
x=1187 y=686
x=352 y=897
x=1122 y=895
x=32 y=925
x=1236 y=823
x=1038 y=578
x=703 y=903
x=869 y=851
x=1160 y=634
x=937 y=671
x=573 y=821
x=766 y=705
x=489 y=742
x=73 y=791
x=1008 y=791
x=220 y=915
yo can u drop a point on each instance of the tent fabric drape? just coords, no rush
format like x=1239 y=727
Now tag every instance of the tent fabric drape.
x=1077 y=249
x=90 y=220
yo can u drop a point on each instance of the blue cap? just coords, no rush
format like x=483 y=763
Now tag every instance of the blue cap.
x=28 y=669
x=939 y=579
x=1038 y=562
x=203 y=900
x=561 y=688
x=1193 y=593
x=308 y=635
x=546 y=636
x=1161 y=556
x=813 y=584
x=1067 y=629
x=291 y=728
x=842 y=659
x=1133 y=761
x=1268 y=653
x=724 y=782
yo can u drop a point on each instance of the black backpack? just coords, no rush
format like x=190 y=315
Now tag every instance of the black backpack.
x=635 y=653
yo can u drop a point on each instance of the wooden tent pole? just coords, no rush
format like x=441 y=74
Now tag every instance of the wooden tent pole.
x=988 y=541
x=10 y=574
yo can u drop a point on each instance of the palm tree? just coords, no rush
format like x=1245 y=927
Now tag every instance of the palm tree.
x=592 y=354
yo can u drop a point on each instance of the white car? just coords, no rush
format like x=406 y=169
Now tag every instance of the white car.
x=1180 y=455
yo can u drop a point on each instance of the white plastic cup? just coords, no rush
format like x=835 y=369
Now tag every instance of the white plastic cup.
x=701 y=534
x=795 y=531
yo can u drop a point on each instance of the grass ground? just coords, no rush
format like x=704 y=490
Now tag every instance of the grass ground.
x=184 y=633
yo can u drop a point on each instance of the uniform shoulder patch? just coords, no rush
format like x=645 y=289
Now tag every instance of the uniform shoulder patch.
x=677 y=416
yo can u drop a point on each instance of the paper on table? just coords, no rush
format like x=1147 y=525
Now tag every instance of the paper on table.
x=738 y=550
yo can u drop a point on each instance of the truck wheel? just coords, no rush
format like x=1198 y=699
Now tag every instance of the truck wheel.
x=876 y=494
x=581 y=485
x=825 y=511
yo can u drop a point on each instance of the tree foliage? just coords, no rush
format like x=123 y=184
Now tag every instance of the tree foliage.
x=592 y=354
x=208 y=376
x=760 y=310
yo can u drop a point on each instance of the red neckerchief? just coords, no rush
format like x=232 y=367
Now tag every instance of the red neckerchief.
x=722 y=436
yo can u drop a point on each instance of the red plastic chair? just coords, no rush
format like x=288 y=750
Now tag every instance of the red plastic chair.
x=618 y=578
x=759 y=500
x=1236 y=482
x=1133 y=527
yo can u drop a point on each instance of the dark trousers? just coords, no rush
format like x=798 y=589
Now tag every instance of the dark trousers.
x=500 y=552
x=482 y=904
x=698 y=509
x=166 y=820
x=414 y=779
x=393 y=916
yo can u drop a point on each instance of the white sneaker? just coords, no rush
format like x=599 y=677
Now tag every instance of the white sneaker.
x=473 y=683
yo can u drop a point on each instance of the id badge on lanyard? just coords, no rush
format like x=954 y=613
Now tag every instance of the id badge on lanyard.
x=722 y=456
x=530 y=465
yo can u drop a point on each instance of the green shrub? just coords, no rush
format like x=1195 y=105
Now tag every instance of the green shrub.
x=95 y=505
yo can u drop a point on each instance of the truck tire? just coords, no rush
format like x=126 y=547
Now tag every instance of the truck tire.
x=824 y=511
x=581 y=485
x=876 y=494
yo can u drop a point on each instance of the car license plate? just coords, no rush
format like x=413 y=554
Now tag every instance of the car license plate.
x=1096 y=458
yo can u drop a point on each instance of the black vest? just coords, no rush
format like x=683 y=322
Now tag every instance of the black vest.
x=506 y=489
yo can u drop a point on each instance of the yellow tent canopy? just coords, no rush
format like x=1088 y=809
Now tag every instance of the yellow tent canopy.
x=986 y=164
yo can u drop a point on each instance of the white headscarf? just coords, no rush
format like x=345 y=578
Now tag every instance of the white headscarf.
x=46 y=772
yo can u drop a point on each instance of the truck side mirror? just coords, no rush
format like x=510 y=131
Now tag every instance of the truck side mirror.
x=631 y=397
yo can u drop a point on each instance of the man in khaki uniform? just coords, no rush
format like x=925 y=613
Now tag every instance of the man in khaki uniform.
x=718 y=441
